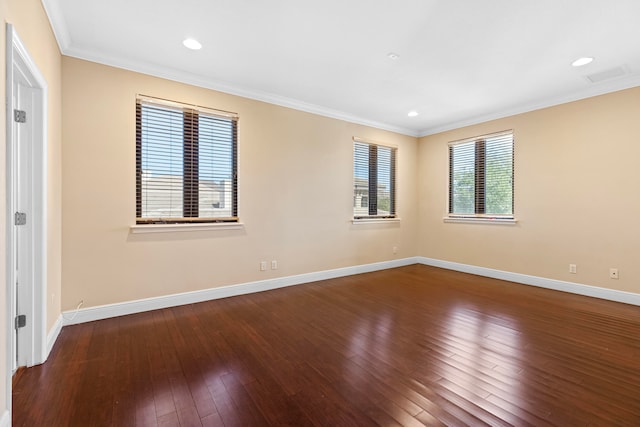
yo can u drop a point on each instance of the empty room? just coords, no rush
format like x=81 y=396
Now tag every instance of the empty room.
x=306 y=213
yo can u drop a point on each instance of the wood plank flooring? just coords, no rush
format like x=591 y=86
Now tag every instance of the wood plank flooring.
x=410 y=346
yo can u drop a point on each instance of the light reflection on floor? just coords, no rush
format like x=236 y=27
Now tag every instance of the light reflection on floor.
x=480 y=343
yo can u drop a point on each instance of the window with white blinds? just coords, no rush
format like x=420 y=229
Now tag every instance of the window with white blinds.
x=374 y=180
x=186 y=163
x=481 y=176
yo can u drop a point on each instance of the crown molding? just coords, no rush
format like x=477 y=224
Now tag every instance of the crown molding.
x=220 y=86
x=188 y=78
x=61 y=32
x=58 y=23
x=591 y=91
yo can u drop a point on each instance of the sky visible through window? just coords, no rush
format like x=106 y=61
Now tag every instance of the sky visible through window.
x=164 y=132
x=216 y=145
x=361 y=165
x=364 y=203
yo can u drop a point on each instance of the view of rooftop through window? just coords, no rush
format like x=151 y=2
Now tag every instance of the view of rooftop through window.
x=180 y=149
x=374 y=180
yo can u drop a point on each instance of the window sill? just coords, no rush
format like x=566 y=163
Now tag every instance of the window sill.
x=375 y=221
x=480 y=220
x=170 y=228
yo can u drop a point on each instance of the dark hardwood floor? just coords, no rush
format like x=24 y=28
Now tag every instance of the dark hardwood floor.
x=410 y=346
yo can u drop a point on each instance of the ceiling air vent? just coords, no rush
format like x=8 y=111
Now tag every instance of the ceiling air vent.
x=606 y=74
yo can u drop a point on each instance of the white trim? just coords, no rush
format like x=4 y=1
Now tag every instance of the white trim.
x=9 y=279
x=225 y=87
x=18 y=56
x=5 y=421
x=181 y=106
x=589 y=91
x=170 y=228
x=363 y=221
x=541 y=282
x=60 y=29
x=72 y=317
x=481 y=220
x=58 y=23
x=90 y=314
x=373 y=142
x=52 y=336
x=483 y=137
x=61 y=32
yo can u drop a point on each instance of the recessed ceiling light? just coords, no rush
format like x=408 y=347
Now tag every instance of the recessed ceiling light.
x=582 y=61
x=393 y=56
x=412 y=113
x=192 y=44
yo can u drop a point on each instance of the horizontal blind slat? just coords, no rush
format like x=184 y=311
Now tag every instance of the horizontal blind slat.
x=374 y=170
x=186 y=157
x=495 y=168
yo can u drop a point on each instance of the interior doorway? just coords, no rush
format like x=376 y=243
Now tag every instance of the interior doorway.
x=26 y=162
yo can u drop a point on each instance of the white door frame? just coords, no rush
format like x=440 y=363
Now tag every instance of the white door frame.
x=18 y=60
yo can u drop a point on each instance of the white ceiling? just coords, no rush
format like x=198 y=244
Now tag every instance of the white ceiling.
x=460 y=61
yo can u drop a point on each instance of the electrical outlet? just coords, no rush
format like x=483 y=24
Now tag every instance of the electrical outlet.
x=263 y=265
x=395 y=249
x=573 y=269
x=274 y=265
x=613 y=273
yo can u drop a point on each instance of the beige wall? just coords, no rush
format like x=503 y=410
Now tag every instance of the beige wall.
x=576 y=191
x=577 y=196
x=287 y=158
x=32 y=25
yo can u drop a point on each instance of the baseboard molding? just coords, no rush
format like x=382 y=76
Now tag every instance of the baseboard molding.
x=558 y=285
x=90 y=314
x=52 y=336
x=138 y=306
x=5 y=421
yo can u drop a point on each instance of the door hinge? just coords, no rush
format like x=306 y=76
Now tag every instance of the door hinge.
x=21 y=321
x=20 y=116
x=20 y=218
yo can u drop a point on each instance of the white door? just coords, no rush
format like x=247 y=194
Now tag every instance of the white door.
x=26 y=202
x=22 y=193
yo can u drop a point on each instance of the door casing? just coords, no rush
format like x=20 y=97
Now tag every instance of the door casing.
x=21 y=69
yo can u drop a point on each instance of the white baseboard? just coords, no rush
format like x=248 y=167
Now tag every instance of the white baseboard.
x=90 y=314
x=52 y=336
x=5 y=421
x=558 y=285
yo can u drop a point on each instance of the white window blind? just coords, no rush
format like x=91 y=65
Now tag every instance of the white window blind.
x=186 y=163
x=481 y=176
x=374 y=180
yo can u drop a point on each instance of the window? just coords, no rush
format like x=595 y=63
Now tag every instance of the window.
x=186 y=163
x=481 y=177
x=374 y=180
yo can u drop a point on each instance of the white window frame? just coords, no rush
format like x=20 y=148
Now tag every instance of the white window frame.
x=480 y=217
x=189 y=221
x=368 y=218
